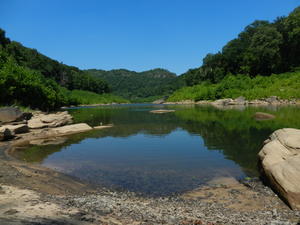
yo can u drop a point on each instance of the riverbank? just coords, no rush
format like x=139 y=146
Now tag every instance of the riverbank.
x=36 y=195
x=240 y=101
x=33 y=194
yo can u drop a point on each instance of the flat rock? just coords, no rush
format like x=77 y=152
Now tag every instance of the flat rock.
x=103 y=126
x=70 y=129
x=280 y=159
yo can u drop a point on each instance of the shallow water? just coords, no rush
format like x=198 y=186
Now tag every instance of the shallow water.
x=162 y=154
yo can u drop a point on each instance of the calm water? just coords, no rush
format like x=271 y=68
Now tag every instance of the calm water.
x=162 y=154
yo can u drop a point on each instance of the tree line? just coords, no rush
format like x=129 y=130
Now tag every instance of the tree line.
x=262 y=48
x=31 y=79
x=140 y=85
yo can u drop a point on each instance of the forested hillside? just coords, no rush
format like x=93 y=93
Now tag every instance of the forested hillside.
x=136 y=86
x=262 y=48
x=264 y=60
x=67 y=76
x=31 y=79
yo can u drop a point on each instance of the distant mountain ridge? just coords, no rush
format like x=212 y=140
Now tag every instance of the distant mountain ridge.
x=136 y=85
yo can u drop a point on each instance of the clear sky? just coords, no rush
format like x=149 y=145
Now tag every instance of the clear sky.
x=133 y=34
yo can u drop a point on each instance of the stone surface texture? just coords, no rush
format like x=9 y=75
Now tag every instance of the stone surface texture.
x=280 y=159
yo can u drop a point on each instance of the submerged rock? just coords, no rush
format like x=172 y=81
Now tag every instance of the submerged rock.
x=160 y=111
x=280 y=159
x=263 y=116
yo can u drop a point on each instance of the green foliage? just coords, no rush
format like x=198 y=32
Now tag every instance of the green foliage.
x=140 y=87
x=29 y=88
x=262 y=48
x=87 y=97
x=285 y=86
x=67 y=76
x=30 y=79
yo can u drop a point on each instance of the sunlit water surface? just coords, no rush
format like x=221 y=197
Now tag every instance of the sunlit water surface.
x=162 y=154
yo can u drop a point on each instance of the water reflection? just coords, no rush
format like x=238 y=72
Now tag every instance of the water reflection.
x=162 y=154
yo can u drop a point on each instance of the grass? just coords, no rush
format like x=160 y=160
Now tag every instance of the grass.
x=88 y=98
x=285 y=86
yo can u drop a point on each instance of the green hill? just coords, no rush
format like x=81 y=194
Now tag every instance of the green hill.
x=29 y=78
x=139 y=86
x=262 y=61
x=262 y=48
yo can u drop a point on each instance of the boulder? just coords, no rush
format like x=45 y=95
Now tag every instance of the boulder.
x=263 y=116
x=11 y=114
x=272 y=100
x=280 y=160
x=159 y=101
x=5 y=134
x=239 y=101
x=50 y=120
x=222 y=102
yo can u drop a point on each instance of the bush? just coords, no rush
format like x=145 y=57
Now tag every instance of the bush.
x=285 y=86
x=29 y=88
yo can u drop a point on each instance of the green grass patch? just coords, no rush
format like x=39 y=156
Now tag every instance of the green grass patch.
x=87 y=97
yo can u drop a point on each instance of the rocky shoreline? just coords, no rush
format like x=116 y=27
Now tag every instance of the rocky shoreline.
x=35 y=195
x=32 y=194
x=240 y=101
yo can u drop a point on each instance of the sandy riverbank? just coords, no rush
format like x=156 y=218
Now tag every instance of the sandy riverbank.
x=31 y=194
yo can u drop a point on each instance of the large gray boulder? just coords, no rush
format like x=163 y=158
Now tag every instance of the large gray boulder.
x=222 y=102
x=280 y=160
x=239 y=101
x=49 y=120
x=159 y=101
x=273 y=100
x=11 y=114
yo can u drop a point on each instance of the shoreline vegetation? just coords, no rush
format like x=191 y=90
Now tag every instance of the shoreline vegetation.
x=285 y=86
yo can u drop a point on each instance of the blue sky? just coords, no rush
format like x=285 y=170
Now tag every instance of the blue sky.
x=133 y=34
